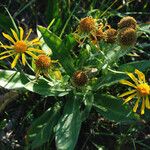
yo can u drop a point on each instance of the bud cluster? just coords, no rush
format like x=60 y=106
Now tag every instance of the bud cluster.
x=127 y=31
x=125 y=35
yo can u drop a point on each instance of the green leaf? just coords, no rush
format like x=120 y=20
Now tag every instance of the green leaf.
x=145 y=28
x=41 y=129
x=68 y=127
x=113 y=109
x=10 y=79
x=43 y=45
x=60 y=49
x=114 y=77
x=5 y=22
x=114 y=54
x=140 y=65
x=52 y=40
x=65 y=57
x=52 y=10
x=47 y=88
x=88 y=101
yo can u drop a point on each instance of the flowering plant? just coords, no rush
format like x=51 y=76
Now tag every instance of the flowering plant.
x=75 y=70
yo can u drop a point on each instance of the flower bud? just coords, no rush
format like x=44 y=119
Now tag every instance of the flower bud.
x=80 y=78
x=43 y=62
x=87 y=24
x=127 y=22
x=127 y=37
x=110 y=35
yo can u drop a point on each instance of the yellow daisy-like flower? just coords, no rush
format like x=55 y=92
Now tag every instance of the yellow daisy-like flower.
x=20 y=46
x=141 y=90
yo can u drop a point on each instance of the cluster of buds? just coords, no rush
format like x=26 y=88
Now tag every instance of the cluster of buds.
x=96 y=32
x=127 y=31
x=125 y=34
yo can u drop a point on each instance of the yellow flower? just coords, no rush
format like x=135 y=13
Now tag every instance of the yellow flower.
x=19 y=47
x=141 y=91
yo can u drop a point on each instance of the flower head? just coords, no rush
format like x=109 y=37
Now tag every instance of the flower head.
x=44 y=64
x=141 y=91
x=110 y=35
x=87 y=24
x=127 y=37
x=80 y=78
x=98 y=34
x=19 y=47
x=127 y=22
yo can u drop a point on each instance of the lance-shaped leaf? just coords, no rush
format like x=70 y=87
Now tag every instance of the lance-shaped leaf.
x=68 y=127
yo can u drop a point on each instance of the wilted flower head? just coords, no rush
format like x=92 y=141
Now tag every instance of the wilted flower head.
x=127 y=37
x=97 y=36
x=141 y=91
x=87 y=24
x=43 y=61
x=127 y=22
x=43 y=64
x=19 y=47
x=80 y=78
x=110 y=35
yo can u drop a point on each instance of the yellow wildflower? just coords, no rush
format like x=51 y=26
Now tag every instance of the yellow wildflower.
x=141 y=91
x=20 y=46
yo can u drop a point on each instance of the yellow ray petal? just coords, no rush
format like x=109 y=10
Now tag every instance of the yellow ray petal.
x=147 y=103
x=5 y=52
x=13 y=64
x=133 y=77
x=35 y=43
x=143 y=107
x=3 y=57
x=23 y=59
x=15 y=35
x=36 y=50
x=58 y=75
x=28 y=34
x=141 y=75
x=127 y=93
x=9 y=38
x=7 y=46
x=35 y=40
x=21 y=33
x=125 y=82
x=129 y=98
x=31 y=54
x=136 y=105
